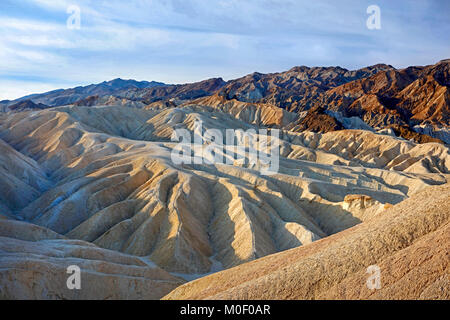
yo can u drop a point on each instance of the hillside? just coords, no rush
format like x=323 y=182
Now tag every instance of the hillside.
x=104 y=176
x=408 y=242
x=359 y=175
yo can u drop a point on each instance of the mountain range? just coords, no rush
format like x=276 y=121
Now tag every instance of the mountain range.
x=413 y=102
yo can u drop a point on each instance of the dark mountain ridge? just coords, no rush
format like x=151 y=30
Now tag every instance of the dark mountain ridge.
x=405 y=100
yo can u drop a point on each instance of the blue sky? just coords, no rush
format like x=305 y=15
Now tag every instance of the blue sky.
x=179 y=41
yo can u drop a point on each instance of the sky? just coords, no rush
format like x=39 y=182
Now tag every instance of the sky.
x=180 y=41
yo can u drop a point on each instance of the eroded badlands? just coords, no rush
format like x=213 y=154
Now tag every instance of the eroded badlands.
x=96 y=187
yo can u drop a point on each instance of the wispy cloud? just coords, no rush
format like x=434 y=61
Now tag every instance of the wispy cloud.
x=188 y=40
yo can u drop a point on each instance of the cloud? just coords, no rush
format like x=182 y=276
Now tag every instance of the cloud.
x=26 y=25
x=188 y=40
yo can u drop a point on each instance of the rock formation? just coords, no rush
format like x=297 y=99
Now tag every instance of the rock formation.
x=360 y=181
x=409 y=243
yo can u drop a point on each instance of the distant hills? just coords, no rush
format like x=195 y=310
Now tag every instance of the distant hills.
x=68 y=96
x=411 y=102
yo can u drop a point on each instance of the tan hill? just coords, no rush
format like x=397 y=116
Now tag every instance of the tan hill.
x=408 y=242
x=258 y=114
x=34 y=262
x=112 y=183
x=102 y=179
